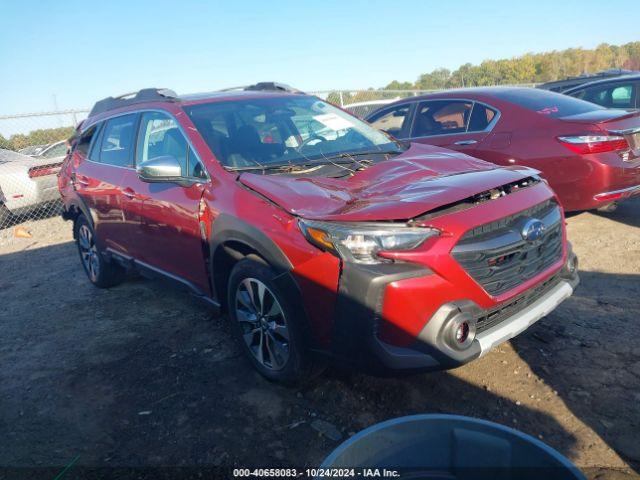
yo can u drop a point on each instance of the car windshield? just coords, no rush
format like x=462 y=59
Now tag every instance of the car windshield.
x=544 y=102
x=284 y=131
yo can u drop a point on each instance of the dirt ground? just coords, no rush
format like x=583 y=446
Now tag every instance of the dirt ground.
x=144 y=376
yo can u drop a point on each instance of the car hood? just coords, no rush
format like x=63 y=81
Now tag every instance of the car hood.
x=417 y=181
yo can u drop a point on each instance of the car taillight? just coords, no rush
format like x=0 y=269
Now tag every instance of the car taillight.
x=44 y=170
x=584 y=144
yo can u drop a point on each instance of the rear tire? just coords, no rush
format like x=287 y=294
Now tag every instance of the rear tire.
x=102 y=273
x=265 y=323
x=610 y=208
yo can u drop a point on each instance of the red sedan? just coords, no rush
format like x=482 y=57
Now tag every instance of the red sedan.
x=589 y=155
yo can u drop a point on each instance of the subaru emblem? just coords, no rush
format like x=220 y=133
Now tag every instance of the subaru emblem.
x=533 y=230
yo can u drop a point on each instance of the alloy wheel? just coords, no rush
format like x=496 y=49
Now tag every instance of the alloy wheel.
x=89 y=252
x=263 y=323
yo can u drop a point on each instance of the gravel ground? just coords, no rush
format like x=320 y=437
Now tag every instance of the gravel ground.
x=144 y=376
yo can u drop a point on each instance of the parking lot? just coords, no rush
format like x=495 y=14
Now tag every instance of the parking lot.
x=144 y=376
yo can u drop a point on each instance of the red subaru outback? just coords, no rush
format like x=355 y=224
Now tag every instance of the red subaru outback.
x=319 y=235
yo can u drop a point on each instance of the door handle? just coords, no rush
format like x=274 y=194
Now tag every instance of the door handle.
x=465 y=142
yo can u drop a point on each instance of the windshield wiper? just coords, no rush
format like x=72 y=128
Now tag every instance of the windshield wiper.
x=314 y=161
x=357 y=154
x=275 y=166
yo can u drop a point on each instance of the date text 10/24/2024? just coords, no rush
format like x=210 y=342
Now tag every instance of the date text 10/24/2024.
x=316 y=473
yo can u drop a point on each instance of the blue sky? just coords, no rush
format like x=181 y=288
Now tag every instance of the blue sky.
x=80 y=51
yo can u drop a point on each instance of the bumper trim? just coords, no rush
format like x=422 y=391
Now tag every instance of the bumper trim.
x=525 y=318
x=617 y=194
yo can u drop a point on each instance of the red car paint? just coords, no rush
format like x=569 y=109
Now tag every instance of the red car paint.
x=420 y=180
x=169 y=227
x=524 y=136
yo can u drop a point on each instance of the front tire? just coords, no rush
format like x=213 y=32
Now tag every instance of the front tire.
x=264 y=322
x=102 y=273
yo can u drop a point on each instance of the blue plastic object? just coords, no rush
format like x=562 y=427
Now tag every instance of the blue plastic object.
x=451 y=447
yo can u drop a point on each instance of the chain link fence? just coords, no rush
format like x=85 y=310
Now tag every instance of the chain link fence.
x=363 y=102
x=32 y=148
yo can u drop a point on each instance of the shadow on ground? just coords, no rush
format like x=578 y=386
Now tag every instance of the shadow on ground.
x=590 y=356
x=142 y=375
x=628 y=213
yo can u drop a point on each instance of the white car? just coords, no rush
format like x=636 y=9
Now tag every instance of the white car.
x=56 y=150
x=26 y=182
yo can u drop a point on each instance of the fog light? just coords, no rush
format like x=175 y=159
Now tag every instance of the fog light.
x=462 y=331
x=572 y=264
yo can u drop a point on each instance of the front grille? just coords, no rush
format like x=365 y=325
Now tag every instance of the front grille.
x=497 y=315
x=497 y=257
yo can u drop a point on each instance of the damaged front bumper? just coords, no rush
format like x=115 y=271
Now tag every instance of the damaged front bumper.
x=359 y=316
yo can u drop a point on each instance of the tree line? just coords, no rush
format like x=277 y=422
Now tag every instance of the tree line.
x=529 y=68
x=42 y=136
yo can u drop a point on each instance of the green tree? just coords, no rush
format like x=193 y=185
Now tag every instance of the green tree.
x=530 y=68
x=41 y=136
x=396 y=85
x=4 y=143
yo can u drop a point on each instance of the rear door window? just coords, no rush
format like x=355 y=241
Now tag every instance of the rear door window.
x=85 y=139
x=117 y=141
x=481 y=118
x=94 y=148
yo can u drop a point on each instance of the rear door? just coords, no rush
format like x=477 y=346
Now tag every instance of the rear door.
x=456 y=124
x=167 y=234
x=103 y=155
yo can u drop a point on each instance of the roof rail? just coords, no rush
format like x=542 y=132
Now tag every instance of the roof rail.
x=264 y=86
x=283 y=87
x=144 y=95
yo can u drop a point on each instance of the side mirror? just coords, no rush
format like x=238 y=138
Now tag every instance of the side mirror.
x=165 y=168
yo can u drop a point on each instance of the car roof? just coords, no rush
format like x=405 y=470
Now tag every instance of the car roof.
x=155 y=96
x=479 y=93
x=495 y=96
x=227 y=95
x=575 y=81
x=183 y=100
x=621 y=78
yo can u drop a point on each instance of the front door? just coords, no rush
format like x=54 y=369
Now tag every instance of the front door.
x=168 y=237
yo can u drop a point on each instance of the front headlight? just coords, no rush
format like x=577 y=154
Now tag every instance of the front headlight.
x=361 y=242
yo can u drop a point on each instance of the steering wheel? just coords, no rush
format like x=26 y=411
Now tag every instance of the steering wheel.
x=314 y=136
